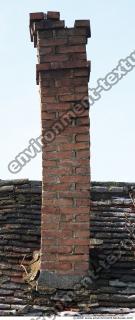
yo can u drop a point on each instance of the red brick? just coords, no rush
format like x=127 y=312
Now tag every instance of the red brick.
x=83 y=217
x=53 y=234
x=56 y=266
x=48 y=100
x=62 y=65
x=82 y=23
x=72 y=194
x=49 y=195
x=48 y=257
x=83 y=121
x=73 y=258
x=73 y=146
x=47 y=179
x=58 y=155
x=60 y=249
x=56 y=106
x=45 y=34
x=70 y=82
x=81 y=249
x=82 y=89
x=48 y=147
x=82 y=137
x=67 y=218
x=48 y=25
x=56 y=91
x=37 y=16
x=73 y=241
x=57 y=187
x=75 y=211
x=76 y=40
x=83 y=171
x=71 y=97
x=75 y=179
x=46 y=50
x=79 y=186
x=81 y=73
x=83 y=154
x=54 y=219
x=83 y=266
x=74 y=226
x=82 y=235
x=54 y=58
x=47 y=242
x=76 y=130
x=63 y=74
x=58 y=202
x=50 y=210
x=83 y=202
x=48 y=116
x=52 y=42
x=69 y=49
x=74 y=162
x=50 y=226
x=59 y=171
x=53 y=15
x=50 y=164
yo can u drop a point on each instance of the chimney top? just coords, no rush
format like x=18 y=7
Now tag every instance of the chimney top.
x=50 y=21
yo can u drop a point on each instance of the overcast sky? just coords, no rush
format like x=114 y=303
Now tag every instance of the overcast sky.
x=112 y=117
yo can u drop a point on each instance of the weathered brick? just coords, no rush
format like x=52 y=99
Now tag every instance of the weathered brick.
x=83 y=171
x=83 y=203
x=57 y=155
x=56 y=266
x=58 y=202
x=48 y=25
x=59 y=171
x=75 y=179
x=82 y=235
x=82 y=137
x=83 y=217
x=59 y=234
x=57 y=187
x=48 y=116
x=74 y=146
x=75 y=40
x=83 y=154
x=70 y=49
x=37 y=16
x=44 y=51
x=75 y=211
x=56 y=106
x=54 y=58
x=81 y=249
x=51 y=42
x=75 y=226
x=73 y=258
x=63 y=74
x=53 y=15
x=50 y=210
x=58 y=249
x=72 y=194
x=83 y=266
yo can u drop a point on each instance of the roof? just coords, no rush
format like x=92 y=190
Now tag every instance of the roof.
x=111 y=286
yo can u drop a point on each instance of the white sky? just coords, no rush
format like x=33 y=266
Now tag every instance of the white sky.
x=112 y=118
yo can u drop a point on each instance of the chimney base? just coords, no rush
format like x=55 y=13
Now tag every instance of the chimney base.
x=58 y=281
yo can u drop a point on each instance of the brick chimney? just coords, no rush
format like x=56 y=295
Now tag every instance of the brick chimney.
x=63 y=75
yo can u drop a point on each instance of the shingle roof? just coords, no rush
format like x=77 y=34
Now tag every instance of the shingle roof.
x=112 y=217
